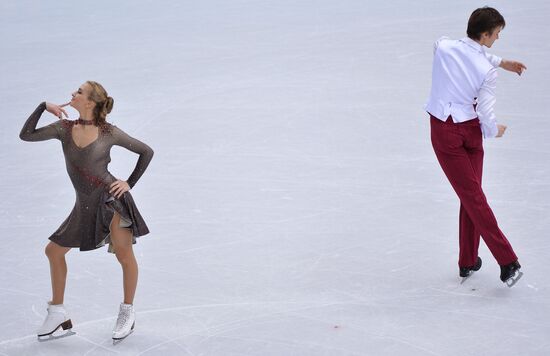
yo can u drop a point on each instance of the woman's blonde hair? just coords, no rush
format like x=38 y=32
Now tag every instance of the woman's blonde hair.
x=103 y=103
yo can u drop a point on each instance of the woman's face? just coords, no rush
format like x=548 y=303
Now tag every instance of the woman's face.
x=80 y=99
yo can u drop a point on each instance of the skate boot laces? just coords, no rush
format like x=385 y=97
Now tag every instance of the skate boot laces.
x=124 y=316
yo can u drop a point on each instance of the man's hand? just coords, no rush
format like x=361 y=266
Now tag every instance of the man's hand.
x=513 y=66
x=501 y=129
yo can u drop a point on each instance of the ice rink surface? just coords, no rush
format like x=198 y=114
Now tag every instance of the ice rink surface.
x=295 y=204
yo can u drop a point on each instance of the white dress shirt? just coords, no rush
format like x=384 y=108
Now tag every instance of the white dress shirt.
x=462 y=72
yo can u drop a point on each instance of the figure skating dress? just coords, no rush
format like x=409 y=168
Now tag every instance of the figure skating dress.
x=88 y=224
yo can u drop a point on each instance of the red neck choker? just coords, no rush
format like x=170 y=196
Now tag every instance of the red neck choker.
x=84 y=122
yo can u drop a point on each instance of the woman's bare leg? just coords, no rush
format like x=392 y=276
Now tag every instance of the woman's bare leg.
x=58 y=270
x=122 y=242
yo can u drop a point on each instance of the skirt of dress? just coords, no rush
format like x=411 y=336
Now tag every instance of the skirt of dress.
x=88 y=225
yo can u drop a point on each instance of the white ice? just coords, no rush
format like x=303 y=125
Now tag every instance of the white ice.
x=295 y=204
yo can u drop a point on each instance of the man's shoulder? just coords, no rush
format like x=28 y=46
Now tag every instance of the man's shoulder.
x=444 y=43
x=443 y=40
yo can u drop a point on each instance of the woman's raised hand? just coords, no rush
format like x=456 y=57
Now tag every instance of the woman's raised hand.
x=57 y=110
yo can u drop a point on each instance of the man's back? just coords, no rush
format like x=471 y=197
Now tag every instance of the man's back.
x=459 y=70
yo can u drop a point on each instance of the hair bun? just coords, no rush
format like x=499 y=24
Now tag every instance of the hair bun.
x=109 y=102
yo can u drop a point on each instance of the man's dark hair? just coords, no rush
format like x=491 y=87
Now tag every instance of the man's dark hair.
x=484 y=19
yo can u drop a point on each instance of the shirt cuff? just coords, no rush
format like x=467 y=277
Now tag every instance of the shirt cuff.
x=495 y=60
x=489 y=130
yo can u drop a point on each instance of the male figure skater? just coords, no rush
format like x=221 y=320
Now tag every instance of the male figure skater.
x=461 y=112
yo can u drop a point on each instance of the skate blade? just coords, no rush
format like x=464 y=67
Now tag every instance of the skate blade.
x=510 y=282
x=464 y=279
x=53 y=336
x=63 y=330
x=118 y=340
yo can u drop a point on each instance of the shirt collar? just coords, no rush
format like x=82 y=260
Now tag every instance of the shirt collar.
x=473 y=44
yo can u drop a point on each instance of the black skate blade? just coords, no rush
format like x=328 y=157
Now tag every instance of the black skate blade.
x=510 y=282
x=51 y=337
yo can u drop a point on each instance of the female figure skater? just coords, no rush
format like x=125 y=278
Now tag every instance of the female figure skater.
x=104 y=212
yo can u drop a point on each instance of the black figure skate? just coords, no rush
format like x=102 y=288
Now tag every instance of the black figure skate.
x=466 y=272
x=510 y=273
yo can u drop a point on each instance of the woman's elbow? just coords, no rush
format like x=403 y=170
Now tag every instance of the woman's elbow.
x=25 y=136
x=150 y=152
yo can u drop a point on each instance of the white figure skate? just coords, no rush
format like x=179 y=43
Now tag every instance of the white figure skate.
x=125 y=322
x=57 y=318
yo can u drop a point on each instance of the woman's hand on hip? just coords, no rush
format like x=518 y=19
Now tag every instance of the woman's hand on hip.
x=57 y=110
x=118 y=188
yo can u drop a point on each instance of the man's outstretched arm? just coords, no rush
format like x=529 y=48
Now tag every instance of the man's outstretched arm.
x=513 y=66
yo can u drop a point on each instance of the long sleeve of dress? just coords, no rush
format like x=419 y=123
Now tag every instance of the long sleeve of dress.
x=29 y=132
x=145 y=153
